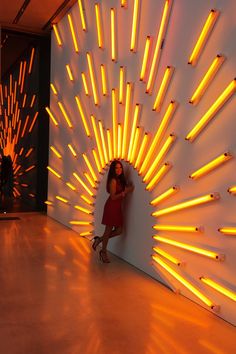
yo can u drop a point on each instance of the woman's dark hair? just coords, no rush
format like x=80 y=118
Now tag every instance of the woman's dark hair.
x=112 y=174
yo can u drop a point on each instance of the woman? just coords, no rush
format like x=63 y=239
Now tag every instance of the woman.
x=112 y=214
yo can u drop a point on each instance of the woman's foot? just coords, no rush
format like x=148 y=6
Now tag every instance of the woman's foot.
x=104 y=257
x=96 y=241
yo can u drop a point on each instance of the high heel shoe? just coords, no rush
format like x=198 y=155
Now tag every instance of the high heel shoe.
x=96 y=241
x=103 y=257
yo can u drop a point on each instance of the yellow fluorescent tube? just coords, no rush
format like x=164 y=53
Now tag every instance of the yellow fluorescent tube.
x=82 y=183
x=221 y=100
x=119 y=141
x=123 y=3
x=69 y=72
x=71 y=186
x=141 y=152
x=79 y=105
x=122 y=83
x=98 y=141
x=192 y=202
x=55 y=152
x=133 y=43
x=221 y=289
x=177 y=228
x=92 y=78
x=48 y=202
x=114 y=120
x=145 y=58
x=211 y=165
x=99 y=25
x=166 y=255
x=51 y=116
x=126 y=120
x=208 y=77
x=134 y=124
x=228 y=230
x=163 y=88
x=72 y=150
x=90 y=167
x=84 y=210
x=113 y=35
x=58 y=37
x=208 y=26
x=61 y=199
x=53 y=171
x=82 y=16
x=53 y=89
x=87 y=200
x=158 y=176
x=104 y=148
x=188 y=247
x=109 y=143
x=91 y=182
x=65 y=114
x=232 y=190
x=168 y=193
x=84 y=80
x=104 y=80
x=80 y=223
x=135 y=145
x=97 y=162
x=183 y=281
x=73 y=33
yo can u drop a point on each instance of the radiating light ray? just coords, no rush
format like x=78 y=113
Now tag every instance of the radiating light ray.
x=113 y=35
x=96 y=159
x=32 y=101
x=109 y=143
x=160 y=39
x=167 y=256
x=142 y=151
x=69 y=72
x=162 y=152
x=163 y=88
x=31 y=60
x=218 y=161
x=30 y=168
x=158 y=176
x=119 y=141
x=72 y=150
x=53 y=171
x=134 y=124
x=54 y=90
x=209 y=115
x=159 y=134
x=71 y=186
x=122 y=84
x=86 y=199
x=83 y=184
x=92 y=78
x=99 y=25
x=62 y=199
x=145 y=58
x=85 y=84
x=29 y=152
x=73 y=33
x=183 y=281
x=190 y=203
x=126 y=120
x=82 y=15
x=207 y=79
x=51 y=116
x=48 y=202
x=90 y=167
x=56 y=152
x=81 y=111
x=80 y=223
x=207 y=28
x=58 y=37
x=33 y=121
x=104 y=147
x=227 y=230
x=23 y=77
x=84 y=210
x=104 y=80
x=221 y=289
x=232 y=190
x=135 y=145
x=179 y=228
x=133 y=42
x=24 y=128
x=65 y=114
x=89 y=179
x=98 y=141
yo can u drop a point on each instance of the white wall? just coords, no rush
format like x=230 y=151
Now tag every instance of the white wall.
x=135 y=246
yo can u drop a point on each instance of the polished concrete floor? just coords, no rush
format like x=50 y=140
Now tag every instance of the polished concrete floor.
x=57 y=298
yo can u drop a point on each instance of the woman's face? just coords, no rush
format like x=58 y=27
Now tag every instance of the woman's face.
x=118 y=169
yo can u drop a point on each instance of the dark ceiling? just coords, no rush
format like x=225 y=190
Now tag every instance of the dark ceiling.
x=23 y=20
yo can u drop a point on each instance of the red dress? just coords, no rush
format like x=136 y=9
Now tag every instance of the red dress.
x=112 y=214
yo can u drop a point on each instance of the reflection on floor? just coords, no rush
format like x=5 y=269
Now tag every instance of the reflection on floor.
x=57 y=298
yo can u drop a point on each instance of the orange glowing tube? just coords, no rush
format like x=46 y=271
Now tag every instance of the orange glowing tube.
x=83 y=184
x=23 y=78
x=31 y=60
x=84 y=210
x=99 y=25
x=113 y=36
x=109 y=143
x=84 y=80
x=103 y=141
x=73 y=33
x=211 y=165
x=183 y=281
x=232 y=190
x=72 y=150
x=53 y=171
x=114 y=120
x=48 y=202
x=29 y=168
x=92 y=78
x=82 y=16
x=32 y=100
x=51 y=116
x=17 y=169
x=134 y=124
x=53 y=89
x=228 y=230
x=56 y=152
x=86 y=199
x=33 y=122
x=82 y=116
x=80 y=223
x=23 y=103
x=10 y=90
x=221 y=289
x=91 y=182
x=163 y=88
x=1 y=94
x=99 y=145
x=135 y=145
x=208 y=77
x=208 y=26
x=69 y=72
x=162 y=152
x=141 y=152
x=126 y=120
x=58 y=37
x=192 y=202
x=159 y=134
x=121 y=87
x=21 y=151
x=178 y=228
x=71 y=186
x=221 y=100
x=119 y=141
x=104 y=80
x=123 y=3
x=65 y=114
x=18 y=132
x=62 y=199
x=167 y=256
x=133 y=43
x=145 y=58
x=158 y=47
x=97 y=162
x=90 y=167
x=24 y=128
x=20 y=73
x=158 y=176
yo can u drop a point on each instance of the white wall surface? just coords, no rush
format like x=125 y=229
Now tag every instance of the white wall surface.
x=135 y=245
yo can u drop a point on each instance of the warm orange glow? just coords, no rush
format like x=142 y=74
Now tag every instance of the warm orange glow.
x=90 y=167
x=24 y=128
x=20 y=73
x=167 y=256
x=71 y=186
x=114 y=120
x=30 y=168
x=119 y=142
x=73 y=33
x=221 y=289
x=91 y=182
x=126 y=120
x=188 y=247
x=217 y=105
x=134 y=124
x=62 y=199
x=142 y=150
x=23 y=103
x=159 y=134
x=218 y=161
x=56 y=152
x=162 y=152
x=122 y=83
x=84 y=80
x=168 y=193
x=113 y=36
x=160 y=38
x=87 y=233
x=232 y=190
x=183 y=281
x=23 y=77
x=104 y=147
x=82 y=16
x=208 y=77
x=21 y=151
x=53 y=171
x=98 y=141
x=31 y=61
x=158 y=176
x=92 y=78
x=192 y=202
x=58 y=37
x=51 y=116
x=99 y=25
x=228 y=230
x=123 y=3
x=32 y=100
x=145 y=58
x=48 y=202
x=82 y=183
x=109 y=143
x=163 y=88
x=79 y=105
x=65 y=114
x=178 y=228
x=133 y=43
x=80 y=223
x=87 y=200
x=72 y=150
x=135 y=145
x=84 y=210
x=53 y=89
x=69 y=72
x=104 y=80
x=97 y=162
x=33 y=122
x=208 y=26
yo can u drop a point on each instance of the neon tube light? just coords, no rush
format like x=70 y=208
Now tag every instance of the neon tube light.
x=168 y=193
x=56 y=152
x=79 y=105
x=158 y=176
x=109 y=143
x=163 y=88
x=133 y=43
x=53 y=89
x=104 y=80
x=84 y=80
x=29 y=168
x=97 y=162
x=82 y=184
x=119 y=141
x=221 y=289
x=135 y=145
x=53 y=171
x=114 y=120
x=84 y=210
x=81 y=11
x=73 y=33
x=113 y=36
x=87 y=200
x=92 y=78
x=232 y=190
x=31 y=61
x=72 y=150
x=126 y=120
x=141 y=152
x=32 y=101
x=71 y=186
x=192 y=202
x=99 y=145
x=134 y=124
x=166 y=255
x=51 y=116
x=58 y=37
x=145 y=58
x=65 y=114
x=91 y=182
x=90 y=167
x=33 y=121
x=104 y=148
x=69 y=72
x=178 y=228
x=122 y=81
x=228 y=230
x=99 y=25
x=80 y=223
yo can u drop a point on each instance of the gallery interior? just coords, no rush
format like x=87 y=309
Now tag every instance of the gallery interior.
x=149 y=83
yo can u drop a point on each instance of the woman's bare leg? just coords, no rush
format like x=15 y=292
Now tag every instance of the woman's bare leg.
x=105 y=237
x=117 y=231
